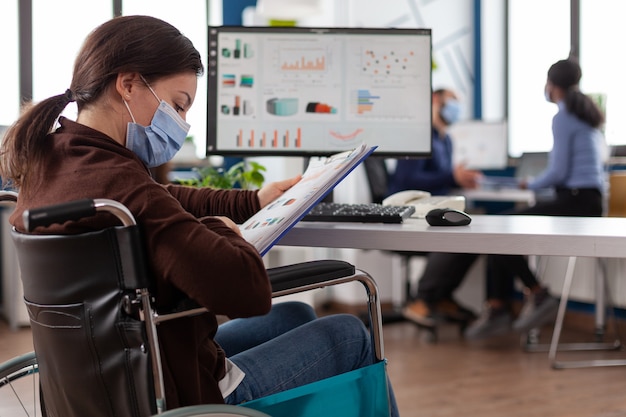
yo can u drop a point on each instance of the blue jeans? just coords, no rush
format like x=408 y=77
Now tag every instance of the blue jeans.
x=290 y=347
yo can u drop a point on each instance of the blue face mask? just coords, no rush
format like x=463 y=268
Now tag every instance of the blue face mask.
x=546 y=94
x=451 y=111
x=157 y=143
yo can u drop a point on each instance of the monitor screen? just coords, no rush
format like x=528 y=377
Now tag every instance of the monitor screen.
x=480 y=145
x=318 y=91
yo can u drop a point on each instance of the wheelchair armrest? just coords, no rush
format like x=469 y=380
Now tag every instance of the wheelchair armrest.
x=304 y=276
x=283 y=278
x=308 y=273
x=290 y=279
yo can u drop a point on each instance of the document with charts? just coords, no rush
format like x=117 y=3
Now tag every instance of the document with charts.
x=270 y=223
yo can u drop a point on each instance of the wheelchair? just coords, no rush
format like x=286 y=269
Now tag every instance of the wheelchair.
x=121 y=355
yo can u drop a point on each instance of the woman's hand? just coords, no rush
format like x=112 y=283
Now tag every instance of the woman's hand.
x=274 y=190
x=466 y=178
x=523 y=184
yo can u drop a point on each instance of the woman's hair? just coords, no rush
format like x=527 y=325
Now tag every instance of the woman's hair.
x=142 y=44
x=566 y=74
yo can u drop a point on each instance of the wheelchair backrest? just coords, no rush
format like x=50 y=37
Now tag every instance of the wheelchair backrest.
x=91 y=347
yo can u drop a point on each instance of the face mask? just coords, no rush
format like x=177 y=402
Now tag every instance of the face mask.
x=157 y=143
x=451 y=111
x=546 y=93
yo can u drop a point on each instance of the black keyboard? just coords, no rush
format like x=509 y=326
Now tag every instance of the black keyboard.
x=358 y=213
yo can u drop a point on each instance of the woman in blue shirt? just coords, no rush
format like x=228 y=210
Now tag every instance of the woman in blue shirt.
x=575 y=163
x=575 y=171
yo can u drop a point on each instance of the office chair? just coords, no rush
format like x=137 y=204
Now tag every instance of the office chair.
x=378 y=180
x=94 y=328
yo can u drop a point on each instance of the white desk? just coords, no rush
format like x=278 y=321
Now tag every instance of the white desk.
x=603 y=237
x=597 y=237
x=508 y=195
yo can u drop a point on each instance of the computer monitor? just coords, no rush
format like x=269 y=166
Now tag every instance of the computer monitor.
x=531 y=164
x=317 y=91
x=479 y=144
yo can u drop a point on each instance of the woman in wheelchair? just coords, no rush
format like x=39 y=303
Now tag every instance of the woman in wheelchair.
x=134 y=81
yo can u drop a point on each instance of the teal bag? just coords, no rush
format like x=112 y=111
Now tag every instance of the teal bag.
x=359 y=393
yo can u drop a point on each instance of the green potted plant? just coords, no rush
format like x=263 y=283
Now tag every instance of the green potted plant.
x=246 y=175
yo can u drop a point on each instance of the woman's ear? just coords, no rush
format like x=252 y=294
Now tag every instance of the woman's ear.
x=125 y=84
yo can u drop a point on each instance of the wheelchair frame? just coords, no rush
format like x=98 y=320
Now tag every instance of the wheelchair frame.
x=285 y=280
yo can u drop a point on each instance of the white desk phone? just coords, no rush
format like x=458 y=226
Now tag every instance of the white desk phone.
x=424 y=202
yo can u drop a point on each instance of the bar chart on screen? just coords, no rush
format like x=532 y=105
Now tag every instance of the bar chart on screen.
x=297 y=59
x=276 y=139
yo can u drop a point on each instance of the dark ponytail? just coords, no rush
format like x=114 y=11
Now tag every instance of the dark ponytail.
x=583 y=107
x=22 y=147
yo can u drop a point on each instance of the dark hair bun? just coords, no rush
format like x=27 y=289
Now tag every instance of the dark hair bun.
x=565 y=73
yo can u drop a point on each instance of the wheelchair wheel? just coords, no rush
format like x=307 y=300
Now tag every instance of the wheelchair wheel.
x=213 y=410
x=19 y=386
x=19 y=394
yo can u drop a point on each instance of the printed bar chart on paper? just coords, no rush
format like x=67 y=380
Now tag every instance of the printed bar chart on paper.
x=269 y=224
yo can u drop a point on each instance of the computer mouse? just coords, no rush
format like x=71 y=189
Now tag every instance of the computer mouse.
x=447 y=217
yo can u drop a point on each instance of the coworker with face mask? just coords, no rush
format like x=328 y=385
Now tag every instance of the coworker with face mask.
x=134 y=80
x=438 y=176
x=575 y=172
